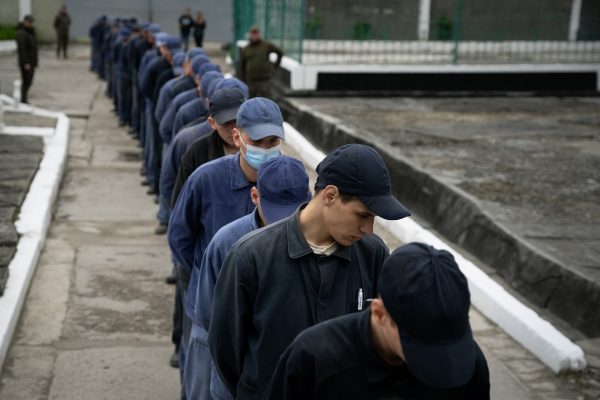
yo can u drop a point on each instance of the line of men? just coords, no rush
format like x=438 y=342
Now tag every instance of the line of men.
x=281 y=293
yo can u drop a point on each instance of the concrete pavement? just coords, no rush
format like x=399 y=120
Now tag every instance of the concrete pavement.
x=96 y=324
x=98 y=317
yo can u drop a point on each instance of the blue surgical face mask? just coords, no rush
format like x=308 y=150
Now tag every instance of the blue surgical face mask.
x=256 y=156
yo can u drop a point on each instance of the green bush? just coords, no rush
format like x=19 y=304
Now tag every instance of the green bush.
x=361 y=30
x=7 y=32
x=443 y=28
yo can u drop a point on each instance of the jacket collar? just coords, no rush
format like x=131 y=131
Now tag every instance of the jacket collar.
x=297 y=244
x=237 y=179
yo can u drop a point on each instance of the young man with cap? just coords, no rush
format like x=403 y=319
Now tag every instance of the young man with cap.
x=281 y=187
x=414 y=342
x=320 y=263
x=218 y=192
x=223 y=108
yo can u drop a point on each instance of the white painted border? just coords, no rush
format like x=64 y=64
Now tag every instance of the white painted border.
x=34 y=218
x=304 y=77
x=520 y=322
x=8 y=46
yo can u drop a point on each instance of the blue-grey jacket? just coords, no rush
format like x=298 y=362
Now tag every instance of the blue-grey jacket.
x=176 y=150
x=213 y=196
x=166 y=123
x=266 y=294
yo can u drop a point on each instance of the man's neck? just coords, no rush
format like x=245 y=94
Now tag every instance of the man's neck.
x=379 y=347
x=312 y=226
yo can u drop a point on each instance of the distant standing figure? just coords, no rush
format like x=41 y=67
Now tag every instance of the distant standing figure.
x=27 y=54
x=61 y=25
x=199 y=27
x=186 y=22
x=255 y=67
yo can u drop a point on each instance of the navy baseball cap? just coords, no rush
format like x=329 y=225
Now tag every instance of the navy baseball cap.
x=358 y=170
x=428 y=298
x=283 y=185
x=207 y=78
x=260 y=118
x=198 y=61
x=224 y=104
x=204 y=68
x=172 y=43
x=234 y=82
x=212 y=86
x=178 y=62
x=196 y=51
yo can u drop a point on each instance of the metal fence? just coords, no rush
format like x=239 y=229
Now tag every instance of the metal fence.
x=426 y=31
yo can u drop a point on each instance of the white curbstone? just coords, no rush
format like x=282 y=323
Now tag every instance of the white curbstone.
x=33 y=221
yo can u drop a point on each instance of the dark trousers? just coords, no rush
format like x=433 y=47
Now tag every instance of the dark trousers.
x=26 y=81
x=260 y=89
x=62 y=41
x=198 y=39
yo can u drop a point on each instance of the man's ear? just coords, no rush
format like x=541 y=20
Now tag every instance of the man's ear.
x=254 y=196
x=212 y=123
x=236 y=134
x=330 y=193
x=378 y=310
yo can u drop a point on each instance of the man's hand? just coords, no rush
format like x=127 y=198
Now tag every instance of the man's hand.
x=27 y=67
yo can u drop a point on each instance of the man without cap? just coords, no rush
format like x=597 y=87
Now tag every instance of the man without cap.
x=186 y=22
x=320 y=263
x=414 y=342
x=281 y=187
x=256 y=69
x=218 y=192
x=27 y=52
x=62 y=22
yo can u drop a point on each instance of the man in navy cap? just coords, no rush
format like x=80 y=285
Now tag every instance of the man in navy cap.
x=414 y=342
x=168 y=45
x=317 y=264
x=281 y=187
x=218 y=192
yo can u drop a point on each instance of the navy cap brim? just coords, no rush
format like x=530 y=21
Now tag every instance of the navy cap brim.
x=441 y=365
x=225 y=115
x=261 y=131
x=276 y=212
x=385 y=206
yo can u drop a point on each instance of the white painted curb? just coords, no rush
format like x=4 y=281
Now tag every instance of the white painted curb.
x=34 y=217
x=520 y=322
x=8 y=46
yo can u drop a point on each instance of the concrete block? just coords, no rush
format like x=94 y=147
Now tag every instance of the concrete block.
x=27 y=373
x=8 y=235
x=98 y=374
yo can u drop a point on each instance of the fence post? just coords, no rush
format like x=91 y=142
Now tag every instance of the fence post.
x=1 y=112
x=457 y=30
x=17 y=92
x=302 y=30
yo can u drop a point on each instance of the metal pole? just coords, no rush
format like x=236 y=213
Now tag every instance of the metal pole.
x=424 y=16
x=575 y=18
x=302 y=29
x=1 y=112
x=150 y=11
x=24 y=8
x=457 y=30
x=17 y=92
